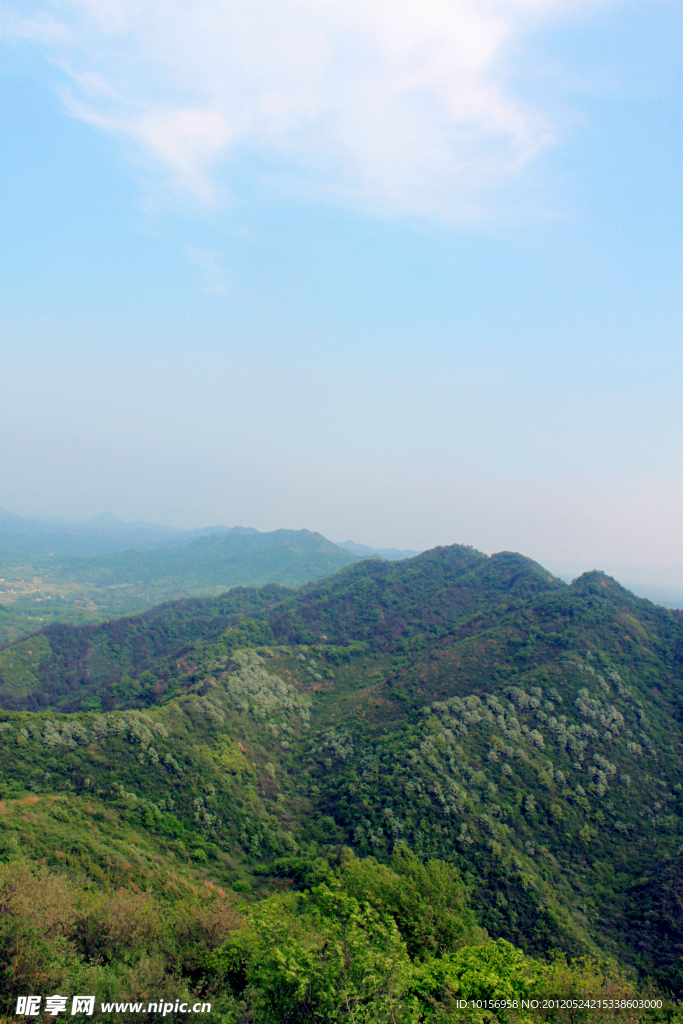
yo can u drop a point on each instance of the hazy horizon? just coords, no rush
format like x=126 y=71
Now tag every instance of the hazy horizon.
x=661 y=584
x=407 y=275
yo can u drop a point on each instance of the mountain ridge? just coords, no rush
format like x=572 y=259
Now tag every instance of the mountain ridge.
x=475 y=708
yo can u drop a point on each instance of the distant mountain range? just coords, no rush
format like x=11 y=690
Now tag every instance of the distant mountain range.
x=363 y=551
x=206 y=565
x=42 y=588
x=105 y=534
x=103 y=567
x=27 y=543
x=23 y=537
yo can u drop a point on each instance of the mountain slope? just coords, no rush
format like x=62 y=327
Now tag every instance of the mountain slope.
x=209 y=564
x=477 y=709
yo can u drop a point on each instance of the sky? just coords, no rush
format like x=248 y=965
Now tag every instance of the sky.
x=406 y=273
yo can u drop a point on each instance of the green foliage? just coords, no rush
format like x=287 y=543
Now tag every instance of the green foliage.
x=520 y=736
x=294 y=957
x=428 y=900
x=323 y=956
x=493 y=971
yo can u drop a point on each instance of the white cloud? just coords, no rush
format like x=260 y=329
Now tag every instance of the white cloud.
x=396 y=107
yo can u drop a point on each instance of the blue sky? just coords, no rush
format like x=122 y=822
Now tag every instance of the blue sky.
x=406 y=273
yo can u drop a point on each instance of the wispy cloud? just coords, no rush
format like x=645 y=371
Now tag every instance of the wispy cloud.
x=393 y=105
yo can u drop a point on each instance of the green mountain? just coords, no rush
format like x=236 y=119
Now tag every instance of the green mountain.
x=521 y=732
x=79 y=589
x=288 y=557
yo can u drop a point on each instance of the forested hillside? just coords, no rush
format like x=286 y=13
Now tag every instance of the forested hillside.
x=77 y=590
x=517 y=734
